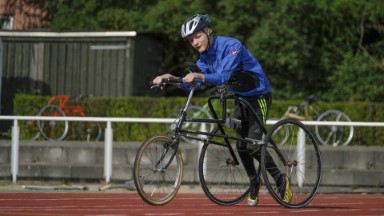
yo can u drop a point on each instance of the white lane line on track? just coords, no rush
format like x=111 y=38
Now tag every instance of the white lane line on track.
x=344 y=210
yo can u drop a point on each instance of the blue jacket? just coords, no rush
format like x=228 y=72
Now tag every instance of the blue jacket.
x=227 y=55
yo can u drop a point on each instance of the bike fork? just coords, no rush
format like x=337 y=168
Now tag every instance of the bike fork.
x=166 y=149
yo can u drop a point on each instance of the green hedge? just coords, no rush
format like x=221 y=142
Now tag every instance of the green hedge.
x=161 y=107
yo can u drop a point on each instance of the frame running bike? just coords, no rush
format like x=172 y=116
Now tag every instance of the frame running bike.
x=158 y=166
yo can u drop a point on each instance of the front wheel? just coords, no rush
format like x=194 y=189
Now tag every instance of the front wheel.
x=334 y=135
x=158 y=170
x=291 y=172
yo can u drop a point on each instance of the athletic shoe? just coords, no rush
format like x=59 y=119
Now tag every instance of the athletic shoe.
x=285 y=189
x=253 y=195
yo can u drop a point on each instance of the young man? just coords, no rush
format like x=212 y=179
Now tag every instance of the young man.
x=224 y=58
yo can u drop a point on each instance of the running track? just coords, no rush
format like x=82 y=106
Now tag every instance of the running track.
x=129 y=203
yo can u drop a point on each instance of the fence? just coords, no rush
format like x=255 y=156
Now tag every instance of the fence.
x=109 y=134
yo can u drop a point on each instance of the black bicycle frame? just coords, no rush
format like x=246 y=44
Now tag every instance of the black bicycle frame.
x=218 y=121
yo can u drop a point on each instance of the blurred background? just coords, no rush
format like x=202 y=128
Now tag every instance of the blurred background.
x=331 y=48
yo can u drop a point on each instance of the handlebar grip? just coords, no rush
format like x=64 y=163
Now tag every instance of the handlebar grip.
x=172 y=80
x=166 y=81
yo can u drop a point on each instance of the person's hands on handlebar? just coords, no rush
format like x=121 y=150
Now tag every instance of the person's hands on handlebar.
x=191 y=77
x=159 y=79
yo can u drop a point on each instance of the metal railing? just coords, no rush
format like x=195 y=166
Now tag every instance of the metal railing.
x=108 y=145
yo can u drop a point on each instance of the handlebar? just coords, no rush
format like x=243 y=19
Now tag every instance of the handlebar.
x=192 y=68
x=169 y=81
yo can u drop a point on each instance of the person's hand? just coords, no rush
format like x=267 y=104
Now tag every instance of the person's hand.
x=158 y=80
x=189 y=78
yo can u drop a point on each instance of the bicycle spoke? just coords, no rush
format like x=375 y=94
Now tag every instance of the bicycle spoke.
x=223 y=181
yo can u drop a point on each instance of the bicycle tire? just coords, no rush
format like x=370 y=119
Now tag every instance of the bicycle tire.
x=334 y=135
x=52 y=129
x=155 y=184
x=223 y=181
x=301 y=166
x=194 y=111
x=89 y=131
x=281 y=133
x=28 y=128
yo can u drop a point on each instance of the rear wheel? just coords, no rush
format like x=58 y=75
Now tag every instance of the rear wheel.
x=294 y=167
x=281 y=134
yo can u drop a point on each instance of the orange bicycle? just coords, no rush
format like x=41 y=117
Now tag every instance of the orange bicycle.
x=58 y=129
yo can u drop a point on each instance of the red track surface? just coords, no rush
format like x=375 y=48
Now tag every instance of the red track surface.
x=116 y=204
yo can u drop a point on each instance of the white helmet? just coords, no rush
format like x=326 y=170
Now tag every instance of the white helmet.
x=194 y=24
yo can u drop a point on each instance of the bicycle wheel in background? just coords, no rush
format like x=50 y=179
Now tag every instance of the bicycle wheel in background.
x=28 y=128
x=52 y=129
x=222 y=180
x=334 y=135
x=298 y=162
x=89 y=131
x=196 y=112
x=157 y=178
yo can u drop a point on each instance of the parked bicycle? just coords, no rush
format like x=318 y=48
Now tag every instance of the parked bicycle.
x=158 y=166
x=326 y=134
x=57 y=106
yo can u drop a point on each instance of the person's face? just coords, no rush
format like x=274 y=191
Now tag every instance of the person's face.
x=199 y=41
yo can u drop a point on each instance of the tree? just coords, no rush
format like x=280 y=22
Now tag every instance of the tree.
x=304 y=45
x=320 y=46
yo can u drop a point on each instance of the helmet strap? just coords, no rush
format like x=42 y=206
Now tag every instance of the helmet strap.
x=209 y=36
